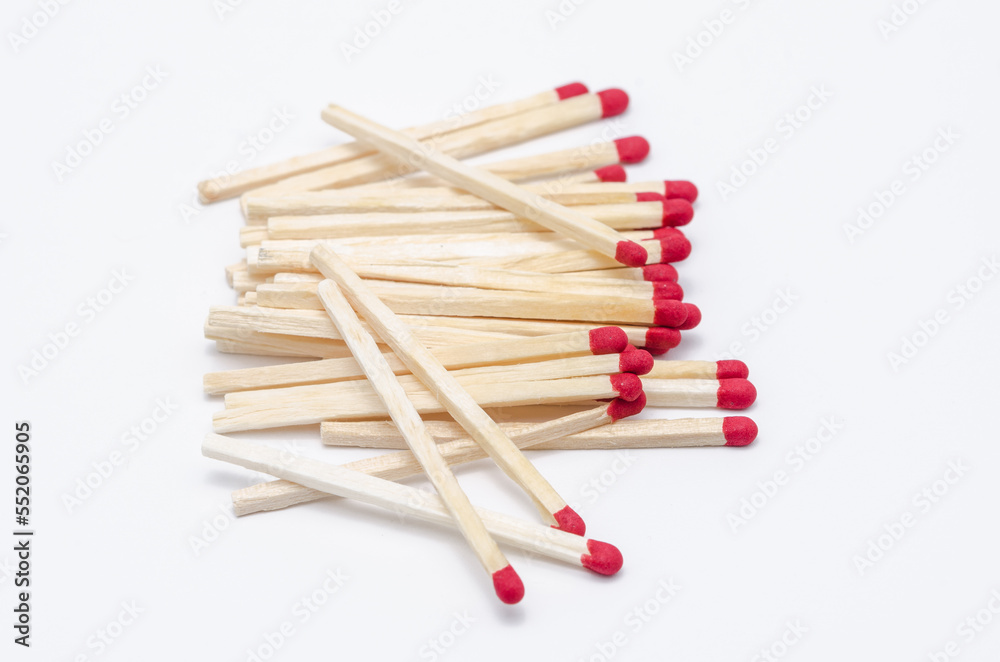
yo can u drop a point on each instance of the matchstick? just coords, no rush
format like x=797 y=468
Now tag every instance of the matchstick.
x=456 y=400
x=497 y=190
x=466 y=142
x=650 y=273
x=508 y=585
x=733 y=393
x=646 y=433
x=277 y=494
x=599 y=557
x=729 y=369
x=215 y=189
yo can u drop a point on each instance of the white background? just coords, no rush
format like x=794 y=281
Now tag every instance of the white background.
x=793 y=561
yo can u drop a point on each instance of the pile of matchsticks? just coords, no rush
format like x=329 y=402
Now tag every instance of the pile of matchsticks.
x=400 y=282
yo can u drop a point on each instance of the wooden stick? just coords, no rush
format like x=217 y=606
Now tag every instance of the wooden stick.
x=277 y=494
x=411 y=426
x=646 y=433
x=523 y=350
x=329 y=479
x=449 y=392
x=721 y=393
x=212 y=190
x=497 y=190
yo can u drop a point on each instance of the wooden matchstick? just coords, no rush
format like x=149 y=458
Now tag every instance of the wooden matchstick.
x=403 y=413
x=447 y=390
x=632 y=433
x=499 y=191
x=597 y=556
x=733 y=393
x=277 y=494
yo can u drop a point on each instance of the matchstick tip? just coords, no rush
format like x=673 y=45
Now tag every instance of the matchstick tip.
x=680 y=189
x=631 y=254
x=735 y=394
x=677 y=212
x=571 y=90
x=632 y=149
x=738 y=430
x=613 y=102
x=619 y=409
x=674 y=246
x=667 y=289
x=659 y=272
x=508 y=585
x=611 y=173
x=693 y=317
x=608 y=340
x=604 y=558
x=636 y=361
x=569 y=521
x=731 y=369
x=627 y=385
x=668 y=312
x=659 y=339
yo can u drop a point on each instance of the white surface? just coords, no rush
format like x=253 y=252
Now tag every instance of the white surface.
x=826 y=356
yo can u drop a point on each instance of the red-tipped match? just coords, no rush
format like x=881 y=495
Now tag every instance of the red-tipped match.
x=731 y=369
x=619 y=409
x=677 y=212
x=649 y=196
x=667 y=289
x=693 y=317
x=680 y=189
x=567 y=520
x=611 y=173
x=659 y=272
x=674 y=247
x=509 y=587
x=613 y=102
x=604 y=558
x=636 y=361
x=627 y=385
x=667 y=312
x=631 y=254
x=571 y=90
x=735 y=394
x=608 y=340
x=632 y=149
x=738 y=430
x=660 y=339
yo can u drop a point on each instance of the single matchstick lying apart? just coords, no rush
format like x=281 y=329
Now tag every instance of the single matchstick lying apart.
x=594 y=555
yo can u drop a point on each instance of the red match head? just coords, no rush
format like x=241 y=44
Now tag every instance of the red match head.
x=611 y=173
x=632 y=149
x=680 y=189
x=659 y=339
x=738 y=430
x=613 y=102
x=659 y=272
x=571 y=90
x=567 y=520
x=667 y=289
x=604 y=558
x=735 y=394
x=674 y=246
x=619 y=409
x=608 y=340
x=509 y=587
x=731 y=369
x=631 y=254
x=636 y=361
x=693 y=317
x=677 y=212
x=627 y=385
x=667 y=312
